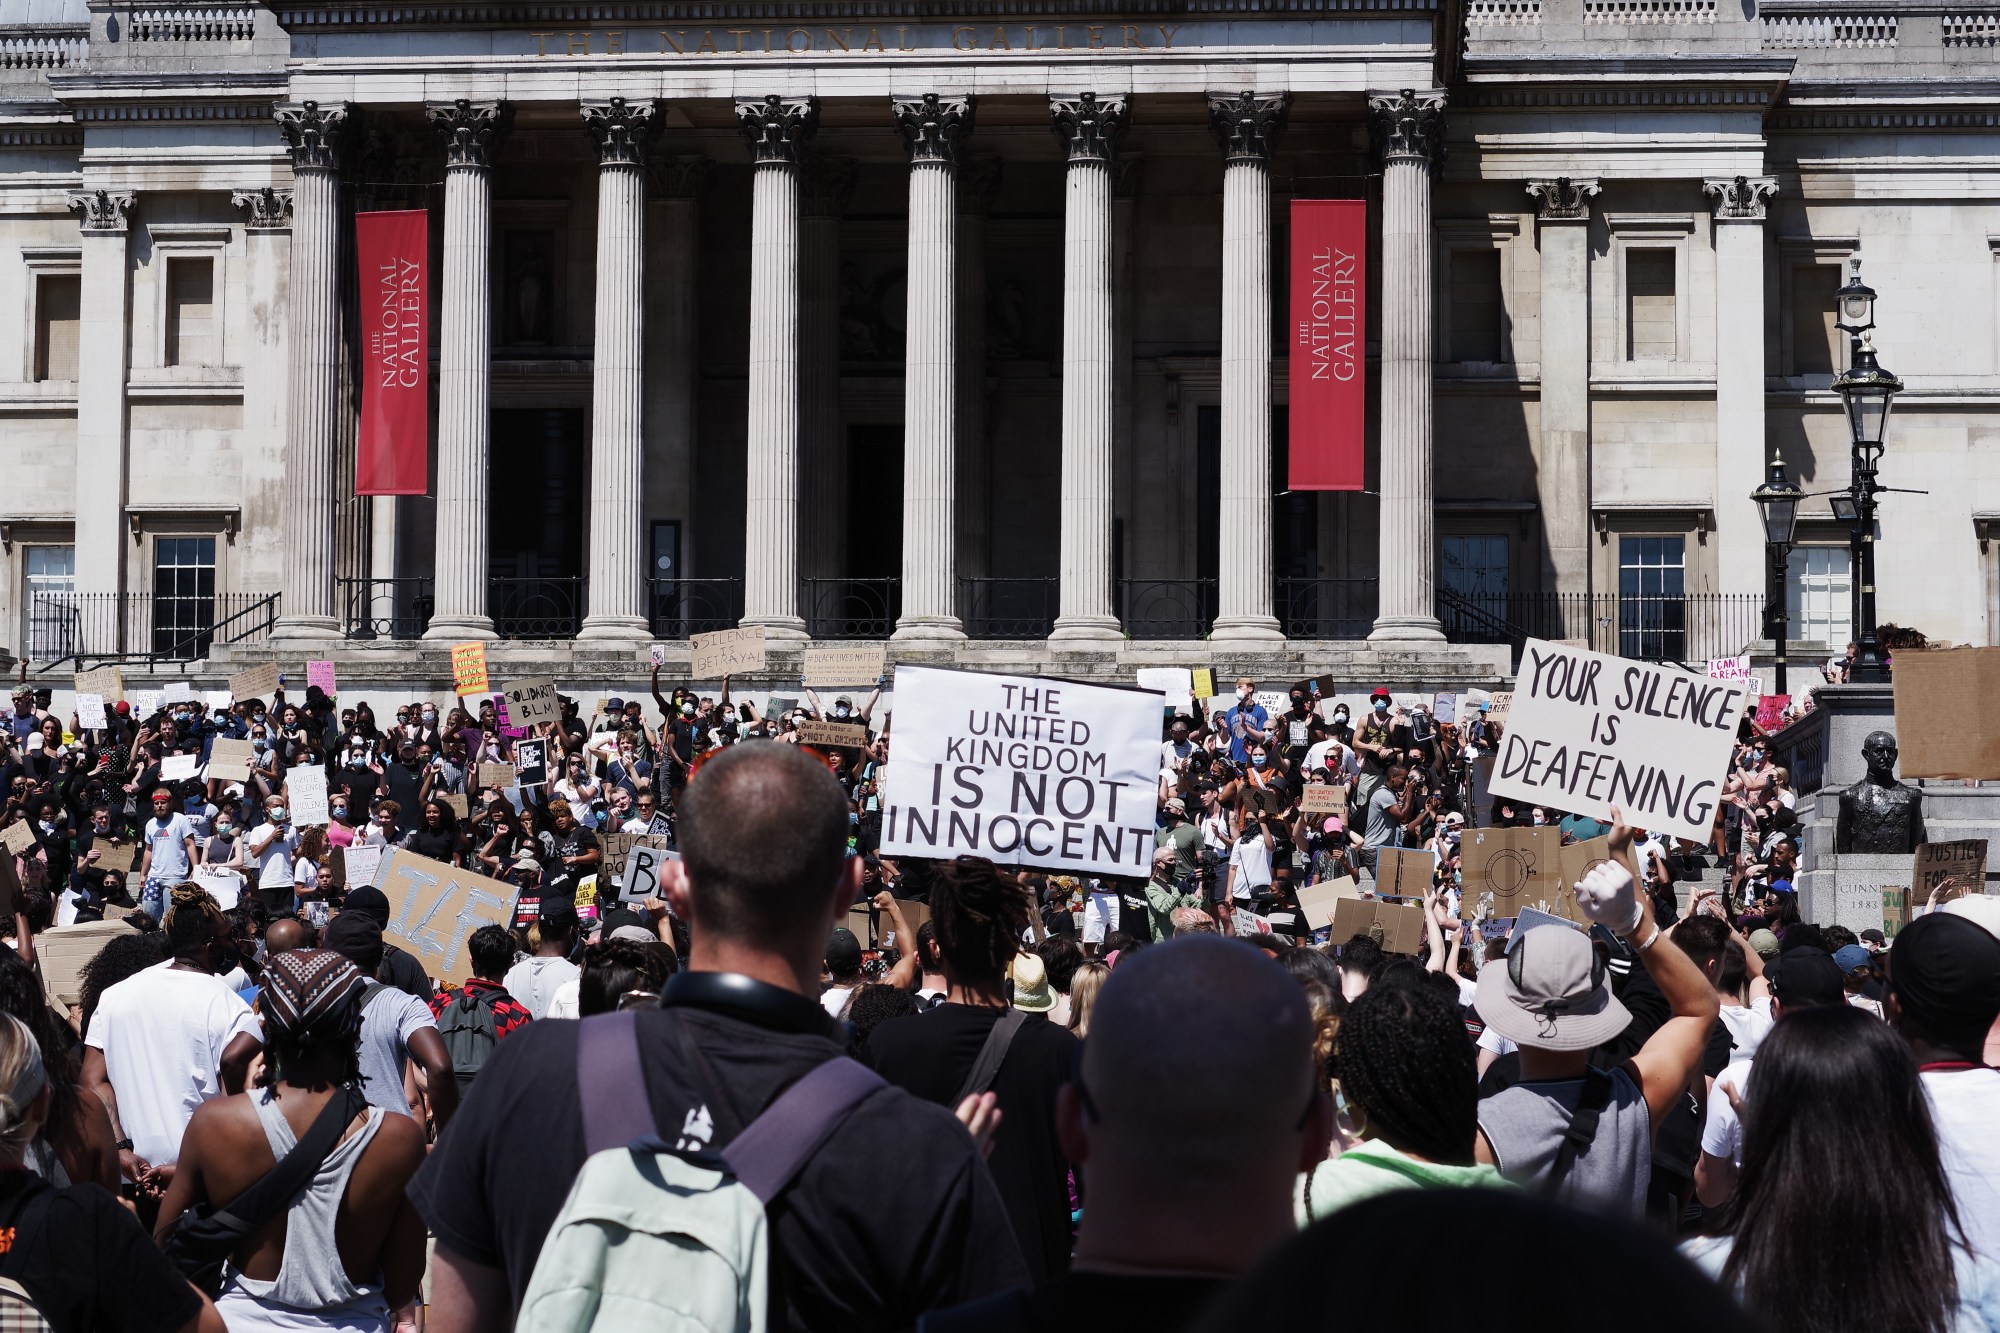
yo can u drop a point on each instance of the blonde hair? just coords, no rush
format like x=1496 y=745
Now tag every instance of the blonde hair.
x=1083 y=987
x=22 y=1079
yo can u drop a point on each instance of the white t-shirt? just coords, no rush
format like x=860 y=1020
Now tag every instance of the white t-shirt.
x=163 y=1032
x=834 y=999
x=1748 y=1026
x=535 y=981
x=1722 y=1128
x=1251 y=860
x=568 y=1000
x=1965 y=1103
x=169 y=843
x=274 y=863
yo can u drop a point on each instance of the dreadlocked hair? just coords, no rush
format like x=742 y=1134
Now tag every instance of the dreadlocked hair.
x=980 y=914
x=1403 y=1056
x=192 y=916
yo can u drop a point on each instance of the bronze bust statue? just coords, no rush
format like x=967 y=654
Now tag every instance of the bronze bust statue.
x=1879 y=814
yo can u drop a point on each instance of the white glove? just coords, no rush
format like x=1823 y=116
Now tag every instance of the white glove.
x=1607 y=896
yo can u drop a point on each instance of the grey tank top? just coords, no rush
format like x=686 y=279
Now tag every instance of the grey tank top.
x=1525 y=1125
x=312 y=1278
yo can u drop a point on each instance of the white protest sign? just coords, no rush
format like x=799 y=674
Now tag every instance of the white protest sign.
x=306 y=786
x=641 y=879
x=90 y=712
x=1588 y=731
x=1025 y=770
x=364 y=864
x=1444 y=707
x=225 y=886
x=1177 y=683
x=179 y=692
x=1729 y=668
x=179 y=767
x=145 y=703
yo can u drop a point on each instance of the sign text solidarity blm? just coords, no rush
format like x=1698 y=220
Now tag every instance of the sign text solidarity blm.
x=1588 y=731
x=1026 y=771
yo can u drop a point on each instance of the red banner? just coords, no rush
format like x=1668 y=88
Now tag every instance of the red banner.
x=392 y=251
x=1329 y=369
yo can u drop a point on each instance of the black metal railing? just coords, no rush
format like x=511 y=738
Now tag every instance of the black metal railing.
x=1327 y=608
x=1687 y=628
x=535 y=608
x=1167 y=608
x=1008 y=608
x=852 y=608
x=95 y=628
x=680 y=607
x=393 y=608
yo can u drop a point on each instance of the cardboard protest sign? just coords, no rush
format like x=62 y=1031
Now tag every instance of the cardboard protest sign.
x=835 y=734
x=230 y=760
x=1504 y=869
x=305 y=787
x=65 y=951
x=1729 y=668
x=19 y=839
x=1595 y=731
x=530 y=703
x=107 y=683
x=90 y=712
x=1895 y=910
x=460 y=806
x=1404 y=872
x=257 y=682
x=178 y=767
x=1402 y=924
x=850 y=667
x=364 y=864
x=116 y=855
x=617 y=846
x=1574 y=861
x=1946 y=725
x=877 y=929
x=1501 y=705
x=322 y=675
x=531 y=763
x=639 y=874
x=434 y=908
x=1771 y=711
x=181 y=691
x=495 y=775
x=468 y=669
x=1322 y=798
x=726 y=652
x=1950 y=869
x=1317 y=901
x=1026 y=770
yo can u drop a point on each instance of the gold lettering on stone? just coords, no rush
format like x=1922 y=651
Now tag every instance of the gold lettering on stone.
x=874 y=42
x=707 y=47
x=1167 y=35
x=1000 y=42
x=1132 y=37
x=614 y=43
x=739 y=34
x=838 y=39
x=1028 y=42
x=1096 y=31
x=541 y=42
x=903 y=40
x=579 y=43
x=791 y=40
x=962 y=39
x=675 y=41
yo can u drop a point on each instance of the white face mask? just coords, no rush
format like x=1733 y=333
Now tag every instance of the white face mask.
x=279 y=814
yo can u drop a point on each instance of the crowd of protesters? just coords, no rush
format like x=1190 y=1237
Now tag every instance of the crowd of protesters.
x=1072 y=1101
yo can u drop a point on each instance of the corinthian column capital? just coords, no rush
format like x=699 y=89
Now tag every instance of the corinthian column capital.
x=776 y=129
x=315 y=132
x=470 y=131
x=934 y=128
x=1248 y=124
x=1564 y=199
x=103 y=211
x=1408 y=126
x=1740 y=198
x=264 y=210
x=621 y=130
x=1090 y=126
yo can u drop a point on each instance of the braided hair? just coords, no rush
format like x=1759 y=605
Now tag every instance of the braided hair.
x=980 y=915
x=1403 y=1056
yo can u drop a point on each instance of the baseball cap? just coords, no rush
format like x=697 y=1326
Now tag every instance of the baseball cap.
x=1782 y=886
x=1981 y=909
x=1872 y=936
x=558 y=910
x=1806 y=975
x=843 y=951
x=1454 y=820
x=1552 y=993
x=1946 y=977
x=1764 y=942
x=1851 y=958
x=121 y=707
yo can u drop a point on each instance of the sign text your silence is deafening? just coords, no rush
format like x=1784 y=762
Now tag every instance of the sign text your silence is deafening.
x=1024 y=780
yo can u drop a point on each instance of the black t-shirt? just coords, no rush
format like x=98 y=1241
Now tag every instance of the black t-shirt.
x=438 y=846
x=932 y=1053
x=1086 y=1303
x=405 y=973
x=87 y=1263
x=895 y=1214
x=402 y=785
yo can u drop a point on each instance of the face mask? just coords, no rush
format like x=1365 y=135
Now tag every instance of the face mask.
x=1260 y=760
x=840 y=711
x=1381 y=706
x=1540 y=820
x=430 y=716
x=224 y=830
x=687 y=710
x=340 y=812
x=279 y=814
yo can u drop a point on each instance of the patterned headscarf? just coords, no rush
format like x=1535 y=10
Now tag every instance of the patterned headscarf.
x=311 y=994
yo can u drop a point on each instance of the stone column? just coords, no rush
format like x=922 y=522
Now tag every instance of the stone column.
x=978 y=183
x=471 y=133
x=672 y=280
x=776 y=130
x=934 y=130
x=1247 y=125
x=104 y=342
x=1740 y=446
x=826 y=183
x=313 y=403
x=1408 y=128
x=1562 y=472
x=267 y=227
x=1090 y=128
x=622 y=131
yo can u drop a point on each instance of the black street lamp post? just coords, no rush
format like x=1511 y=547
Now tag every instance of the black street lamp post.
x=1868 y=392
x=1777 y=500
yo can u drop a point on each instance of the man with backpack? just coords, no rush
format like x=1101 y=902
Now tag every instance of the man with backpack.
x=876 y=1206
x=472 y=1019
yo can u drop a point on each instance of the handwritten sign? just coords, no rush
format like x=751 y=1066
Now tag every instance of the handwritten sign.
x=90 y=712
x=1729 y=668
x=18 y=838
x=468 y=669
x=639 y=877
x=1595 y=731
x=727 y=652
x=434 y=908
x=115 y=855
x=855 y=666
x=306 y=788
x=1317 y=901
x=223 y=885
x=1323 y=798
x=495 y=775
x=836 y=735
x=1895 y=910
x=104 y=682
x=532 y=702
x=66 y=951
x=231 y=760
x=1404 y=872
x=1949 y=869
x=1771 y=711
x=364 y=864
x=322 y=675
x=1176 y=683
x=255 y=682
x=457 y=803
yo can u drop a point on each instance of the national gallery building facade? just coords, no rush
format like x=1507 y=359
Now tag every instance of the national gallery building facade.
x=967 y=324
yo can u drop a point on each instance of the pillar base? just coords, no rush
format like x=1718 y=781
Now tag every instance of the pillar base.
x=1250 y=631
x=1407 y=629
x=461 y=627
x=1086 y=633
x=306 y=627
x=784 y=631
x=939 y=630
x=630 y=629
